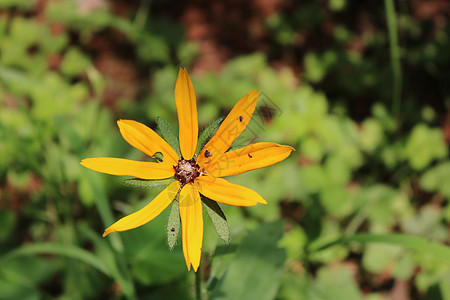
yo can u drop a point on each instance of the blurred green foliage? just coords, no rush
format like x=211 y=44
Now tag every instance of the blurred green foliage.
x=374 y=173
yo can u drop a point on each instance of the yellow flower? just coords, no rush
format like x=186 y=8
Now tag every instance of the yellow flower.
x=193 y=175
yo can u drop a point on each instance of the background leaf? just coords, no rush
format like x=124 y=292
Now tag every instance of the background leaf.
x=416 y=243
x=257 y=268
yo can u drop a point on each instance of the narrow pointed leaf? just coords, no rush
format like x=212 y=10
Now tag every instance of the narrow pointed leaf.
x=218 y=219
x=416 y=243
x=173 y=225
x=142 y=183
x=168 y=134
x=62 y=250
x=207 y=133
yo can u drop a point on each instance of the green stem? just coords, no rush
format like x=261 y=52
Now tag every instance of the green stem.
x=198 y=282
x=391 y=17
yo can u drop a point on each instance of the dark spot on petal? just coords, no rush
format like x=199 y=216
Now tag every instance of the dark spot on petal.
x=241 y=118
x=249 y=155
x=173 y=229
x=207 y=153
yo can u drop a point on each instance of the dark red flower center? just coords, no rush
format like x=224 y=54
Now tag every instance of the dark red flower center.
x=186 y=171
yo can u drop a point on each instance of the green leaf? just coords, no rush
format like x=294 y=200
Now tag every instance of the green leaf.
x=436 y=179
x=258 y=262
x=412 y=242
x=294 y=241
x=173 y=225
x=337 y=5
x=315 y=71
x=404 y=266
x=371 y=135
x=59 y=249
x=335 y=282
x=424 y=145
x=20 y=4
x=207 y=133
x=27 y=271
x=75 y=62
x=147 y=256
x=168 y=134
x=377 y=257
x=104 y=209
x=7 y=223
x=217 y=218
x=17 y=287
x=145 y=183
x=427 y=222
x=318 y=65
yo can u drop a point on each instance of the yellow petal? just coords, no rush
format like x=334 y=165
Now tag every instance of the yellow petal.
x=192 y=225
x=145 y=139
x=248 y=158
x=222 y=191
x=187 y=114
x=148 y=213
x=126 y=167
x=232 y=127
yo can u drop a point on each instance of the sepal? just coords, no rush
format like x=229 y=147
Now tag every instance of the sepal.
x=218 y=219
x=207 y=133
x=174 y=224
x=168 y=134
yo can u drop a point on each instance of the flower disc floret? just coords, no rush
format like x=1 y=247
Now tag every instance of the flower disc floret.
x=186 y=171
